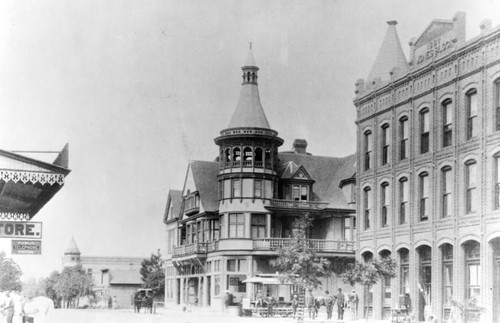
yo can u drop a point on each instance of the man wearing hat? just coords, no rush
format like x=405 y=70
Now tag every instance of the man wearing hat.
x=295 y=304
x=329 y=305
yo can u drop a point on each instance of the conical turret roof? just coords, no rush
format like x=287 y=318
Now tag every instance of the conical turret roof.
x=72 y=247
x=390 y=56
x=249 y=112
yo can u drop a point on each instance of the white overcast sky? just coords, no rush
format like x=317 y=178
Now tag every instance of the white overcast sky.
x=139 y=88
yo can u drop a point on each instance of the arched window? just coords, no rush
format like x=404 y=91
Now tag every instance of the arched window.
x=424 y=131
x=496 y=103
x=386 y=289
x=447 y=281
x=384 y=201
x=367 y=200
x=368 y=147
x=472 y=250
x=268 y=158
x=425 y=274
x=403 y=200
x=368 y=292
x=385 y=141
x=247 y=154
x=403 y=138
x=446 y=192
x=236 y=154
x=228 y=155
x=471 y=201
x=404 y=274
x=496 y=181
x=472 y=107
x=447 y=109
x=258 y=157
x=424 y=196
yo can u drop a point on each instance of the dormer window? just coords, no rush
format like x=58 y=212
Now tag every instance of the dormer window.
x=297 y=192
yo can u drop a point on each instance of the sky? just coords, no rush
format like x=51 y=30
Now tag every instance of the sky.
x=140 y=88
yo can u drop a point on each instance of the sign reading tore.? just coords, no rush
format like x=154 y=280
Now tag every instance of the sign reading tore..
x=26 y=247
x=12 y=229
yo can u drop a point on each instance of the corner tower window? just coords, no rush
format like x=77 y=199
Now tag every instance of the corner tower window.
x=258 y=157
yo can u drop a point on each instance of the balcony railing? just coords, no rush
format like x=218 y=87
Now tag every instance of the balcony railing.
x=190 y=249
x=320 y=245
x=293 y=204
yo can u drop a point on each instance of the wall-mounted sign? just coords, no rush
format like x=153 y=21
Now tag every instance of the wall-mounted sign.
x=13 y=229
x=26 y=247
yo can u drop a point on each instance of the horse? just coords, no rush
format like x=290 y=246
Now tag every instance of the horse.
x=39 y=307
x=147 y=303
x=137 y=302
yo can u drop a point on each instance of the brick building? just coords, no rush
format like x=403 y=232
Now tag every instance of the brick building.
x=226 y=224
x=428 y=170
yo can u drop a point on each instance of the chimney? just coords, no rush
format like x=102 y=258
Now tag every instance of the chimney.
x=299 y=146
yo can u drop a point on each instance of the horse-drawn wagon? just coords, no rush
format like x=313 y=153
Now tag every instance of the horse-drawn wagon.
x=143 y=298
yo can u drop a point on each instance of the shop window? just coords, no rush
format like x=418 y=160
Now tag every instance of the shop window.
x=447 y=281
x=472 y=251
x=404 y=265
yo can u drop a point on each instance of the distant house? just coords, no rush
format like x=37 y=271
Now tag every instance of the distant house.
x=115 y=278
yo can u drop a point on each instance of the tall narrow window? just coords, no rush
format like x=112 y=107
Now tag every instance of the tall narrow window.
x=497 y=104
x=367 y=206
x=404 y=265
x=236 y=188
x=470 y=184
x=385 y=144
x=447 y=123
x=472 y=251
x=403 y=200
x=368 y=149
x=257 y=188
x=384 y=200
x=447 y=281
x=424 y=131
x=446 y=187
x=496 y=175
x=472 y=111
x=403 y=137
x=424 y=196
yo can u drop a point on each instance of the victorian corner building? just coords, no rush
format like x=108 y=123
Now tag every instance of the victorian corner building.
x=227 y=223
x=428 y=171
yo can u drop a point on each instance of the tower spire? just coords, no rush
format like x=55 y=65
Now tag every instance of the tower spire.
x=249 y=112
x=390 y=56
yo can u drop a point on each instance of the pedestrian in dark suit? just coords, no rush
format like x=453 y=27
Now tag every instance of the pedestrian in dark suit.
x=340 y=304
x=329 y=300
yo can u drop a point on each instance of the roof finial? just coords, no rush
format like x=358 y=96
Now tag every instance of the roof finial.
x=250 y=44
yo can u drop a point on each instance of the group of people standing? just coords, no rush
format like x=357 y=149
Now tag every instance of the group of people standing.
x=329 y=301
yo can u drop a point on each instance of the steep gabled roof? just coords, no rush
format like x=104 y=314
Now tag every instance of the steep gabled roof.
x=327 y=172
x=174 y=199
x=291 y=170
x=205 y=178
x=389 y=57
x=72 y=248
x=436 y=27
